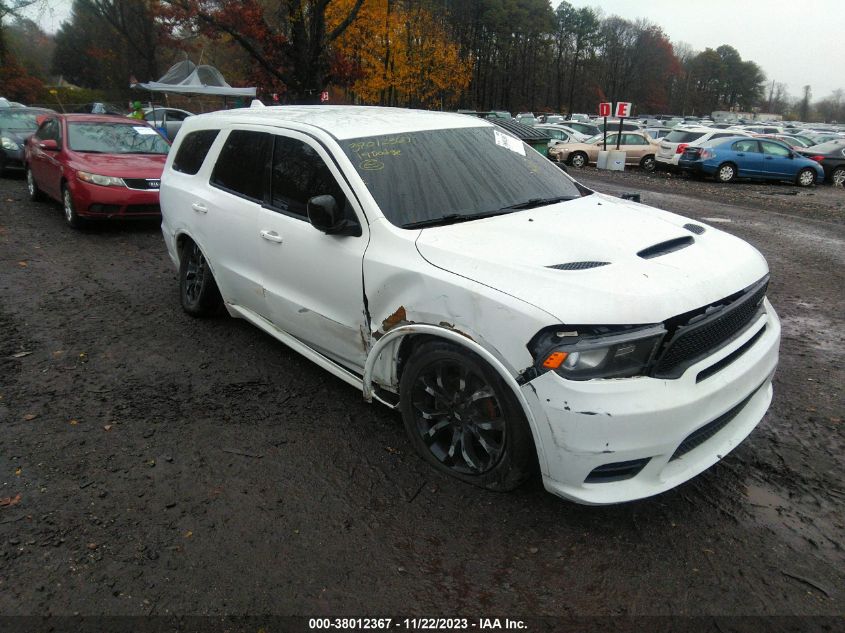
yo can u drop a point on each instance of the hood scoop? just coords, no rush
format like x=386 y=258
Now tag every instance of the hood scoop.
x=578 y=265
x=694 y=228
x=664 y=248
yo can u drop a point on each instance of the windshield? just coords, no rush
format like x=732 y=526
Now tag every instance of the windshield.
x=115 y=138
x=456 y=173
x=15 y=119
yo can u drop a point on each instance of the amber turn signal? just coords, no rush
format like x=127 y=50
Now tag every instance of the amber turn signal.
x=555 y=360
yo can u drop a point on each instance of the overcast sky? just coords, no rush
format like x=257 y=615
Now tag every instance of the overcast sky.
x=796 y=42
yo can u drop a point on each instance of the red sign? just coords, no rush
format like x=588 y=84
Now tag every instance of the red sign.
x=623 y=109
x=604 y=109
x=324 y=96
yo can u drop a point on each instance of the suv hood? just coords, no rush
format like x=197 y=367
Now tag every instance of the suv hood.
x=513 y=254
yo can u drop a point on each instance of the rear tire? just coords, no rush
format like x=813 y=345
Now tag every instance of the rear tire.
x=463 y=419
x=197 y=288
x=726 y=172
x=648 y=164
x=806 y=177
x=837 y=177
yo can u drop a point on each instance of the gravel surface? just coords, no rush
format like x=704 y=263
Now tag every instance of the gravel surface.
x=152 y=463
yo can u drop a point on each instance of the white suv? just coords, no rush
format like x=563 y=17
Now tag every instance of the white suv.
x=672 y=145
x=516 y=319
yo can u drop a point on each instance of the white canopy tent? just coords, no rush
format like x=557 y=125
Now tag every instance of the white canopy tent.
x=185 y=77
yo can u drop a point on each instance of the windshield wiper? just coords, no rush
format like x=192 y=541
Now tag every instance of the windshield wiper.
x=538 y=202
x=454 y=218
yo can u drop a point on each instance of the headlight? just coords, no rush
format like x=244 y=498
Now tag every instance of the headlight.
x=8 y=144
x=105 y=181
x=582 y=354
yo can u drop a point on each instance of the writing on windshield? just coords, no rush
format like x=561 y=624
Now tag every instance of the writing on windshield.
x=418 y=177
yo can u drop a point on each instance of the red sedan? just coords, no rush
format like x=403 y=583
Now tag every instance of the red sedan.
x=96 y=166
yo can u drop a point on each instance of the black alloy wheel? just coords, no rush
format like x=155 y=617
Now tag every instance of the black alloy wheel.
x=462 y=418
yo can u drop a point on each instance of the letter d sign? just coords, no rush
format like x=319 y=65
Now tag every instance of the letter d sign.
x=604 y=109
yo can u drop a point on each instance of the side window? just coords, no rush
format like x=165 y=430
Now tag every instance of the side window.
x=746 y=146
x=44 y=130
x=633 y=139
x=299 y=174
x=773 y=149
x=151 y=115
x=715 y=136
x=193 y=150
x=240 y=167
x=611 y=138
x=50 y=130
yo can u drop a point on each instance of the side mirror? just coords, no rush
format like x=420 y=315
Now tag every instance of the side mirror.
x=325 y=216
x=49 y=145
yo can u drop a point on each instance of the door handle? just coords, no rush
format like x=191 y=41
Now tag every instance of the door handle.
x=271 y=236
x=768 y=158
x=199 y=207
x=742 y=155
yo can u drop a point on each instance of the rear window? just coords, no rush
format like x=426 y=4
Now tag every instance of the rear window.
x=193 y=150
x=242 y=165
x=679 y=136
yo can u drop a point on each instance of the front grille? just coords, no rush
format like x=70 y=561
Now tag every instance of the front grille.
x=703 y=334
x=110 y=209
x=617 y=471
x=143 y=208
x=142 y=183
x=699 y=436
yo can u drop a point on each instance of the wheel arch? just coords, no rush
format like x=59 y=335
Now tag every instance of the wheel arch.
x=400 y=342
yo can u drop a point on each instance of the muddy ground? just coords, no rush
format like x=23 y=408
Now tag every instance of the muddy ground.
x=172 y=465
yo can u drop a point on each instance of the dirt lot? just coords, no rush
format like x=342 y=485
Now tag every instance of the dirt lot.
x=171 y=465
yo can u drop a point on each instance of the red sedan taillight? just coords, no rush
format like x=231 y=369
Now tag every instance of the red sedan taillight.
x=818 y=159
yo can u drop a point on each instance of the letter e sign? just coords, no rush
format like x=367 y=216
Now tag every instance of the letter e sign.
x=623 y=109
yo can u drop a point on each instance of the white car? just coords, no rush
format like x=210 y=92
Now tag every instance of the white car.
x=561 y=133
x=672 y=145
x=518 y=320
x=168 y=119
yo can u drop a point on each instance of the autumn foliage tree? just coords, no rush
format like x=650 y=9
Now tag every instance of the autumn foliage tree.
x=402 y=54
x=289 y=41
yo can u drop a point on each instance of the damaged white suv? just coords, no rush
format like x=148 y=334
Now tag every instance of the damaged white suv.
x=515 y=318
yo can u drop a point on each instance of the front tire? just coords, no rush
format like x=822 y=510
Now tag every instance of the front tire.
x=463 y=419
x=578 y=160
x=648 y=164
x=837 y=177
x=69 y=208
x=726 y=172
x=197 y=288
x=34 y=192
x=806 y=177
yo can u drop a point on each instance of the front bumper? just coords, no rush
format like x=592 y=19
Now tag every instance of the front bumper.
x=11 y=159
x=611 y=441
x=94 y=201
